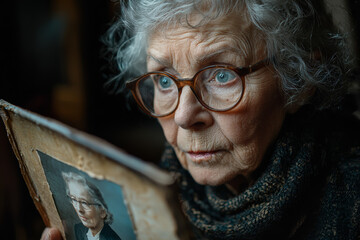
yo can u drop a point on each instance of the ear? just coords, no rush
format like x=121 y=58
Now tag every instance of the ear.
x=103 y=213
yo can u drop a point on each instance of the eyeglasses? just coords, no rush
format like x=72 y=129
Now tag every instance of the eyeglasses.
x=218 y=88
x=84 y=204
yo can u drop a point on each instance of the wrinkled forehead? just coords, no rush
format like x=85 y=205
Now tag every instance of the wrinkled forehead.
x=231 y=32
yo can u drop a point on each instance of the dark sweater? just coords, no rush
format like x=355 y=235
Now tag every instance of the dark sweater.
x=107 y=233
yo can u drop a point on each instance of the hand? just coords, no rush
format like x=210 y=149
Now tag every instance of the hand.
x=51 y=234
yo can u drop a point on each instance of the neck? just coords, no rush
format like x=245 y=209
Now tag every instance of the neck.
x=97 y=228
x=238 y=184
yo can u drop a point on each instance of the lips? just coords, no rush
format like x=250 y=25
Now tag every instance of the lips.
x=202 y=156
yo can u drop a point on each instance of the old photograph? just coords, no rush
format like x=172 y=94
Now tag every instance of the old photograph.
x=88 y=207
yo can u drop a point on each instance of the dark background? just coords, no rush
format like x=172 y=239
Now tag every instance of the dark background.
x=50 y=64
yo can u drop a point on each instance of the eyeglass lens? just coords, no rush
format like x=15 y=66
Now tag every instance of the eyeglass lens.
x=217 y=88
x=83 y=203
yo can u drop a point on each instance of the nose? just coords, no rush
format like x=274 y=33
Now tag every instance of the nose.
x=78 y=207
x=190 y=114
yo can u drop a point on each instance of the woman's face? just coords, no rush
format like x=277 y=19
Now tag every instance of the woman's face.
x=217 y=147
x=91 y=215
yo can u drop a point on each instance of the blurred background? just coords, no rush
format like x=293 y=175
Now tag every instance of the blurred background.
x=51 y=64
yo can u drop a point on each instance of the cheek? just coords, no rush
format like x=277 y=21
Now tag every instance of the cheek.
x=238 y=127
x=263 y=101
x=169 y=128
x=94 y=216
x=90 y=215
x=255 y=123
x=171 y=134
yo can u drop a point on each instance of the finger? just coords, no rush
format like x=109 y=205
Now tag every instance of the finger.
x=51 y=234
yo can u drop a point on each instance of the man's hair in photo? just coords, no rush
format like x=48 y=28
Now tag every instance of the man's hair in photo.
x=91 y=188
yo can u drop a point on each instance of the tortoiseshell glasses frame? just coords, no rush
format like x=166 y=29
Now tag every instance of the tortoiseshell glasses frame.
x=194 y=83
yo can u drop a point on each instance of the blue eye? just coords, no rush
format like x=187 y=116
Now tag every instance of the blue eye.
x=165 y=82
x=224 y=76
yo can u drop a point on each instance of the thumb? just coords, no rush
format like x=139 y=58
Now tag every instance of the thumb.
x=51 y=234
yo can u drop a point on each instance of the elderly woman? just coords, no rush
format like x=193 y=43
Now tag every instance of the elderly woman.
x=90 y=207
x=249 y=94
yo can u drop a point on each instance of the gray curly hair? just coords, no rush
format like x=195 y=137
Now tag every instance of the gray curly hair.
x=307 y=51
x=92 y=190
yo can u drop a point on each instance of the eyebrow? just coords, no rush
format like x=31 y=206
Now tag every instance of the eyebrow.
x=212 y=55
x=162 y=61
x=205 y=58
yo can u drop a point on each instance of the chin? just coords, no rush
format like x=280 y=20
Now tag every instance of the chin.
x=86 y=224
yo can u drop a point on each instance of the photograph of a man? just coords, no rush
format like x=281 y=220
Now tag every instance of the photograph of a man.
x=90 y=207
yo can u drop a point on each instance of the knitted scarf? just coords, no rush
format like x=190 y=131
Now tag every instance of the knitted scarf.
x=293 y=196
